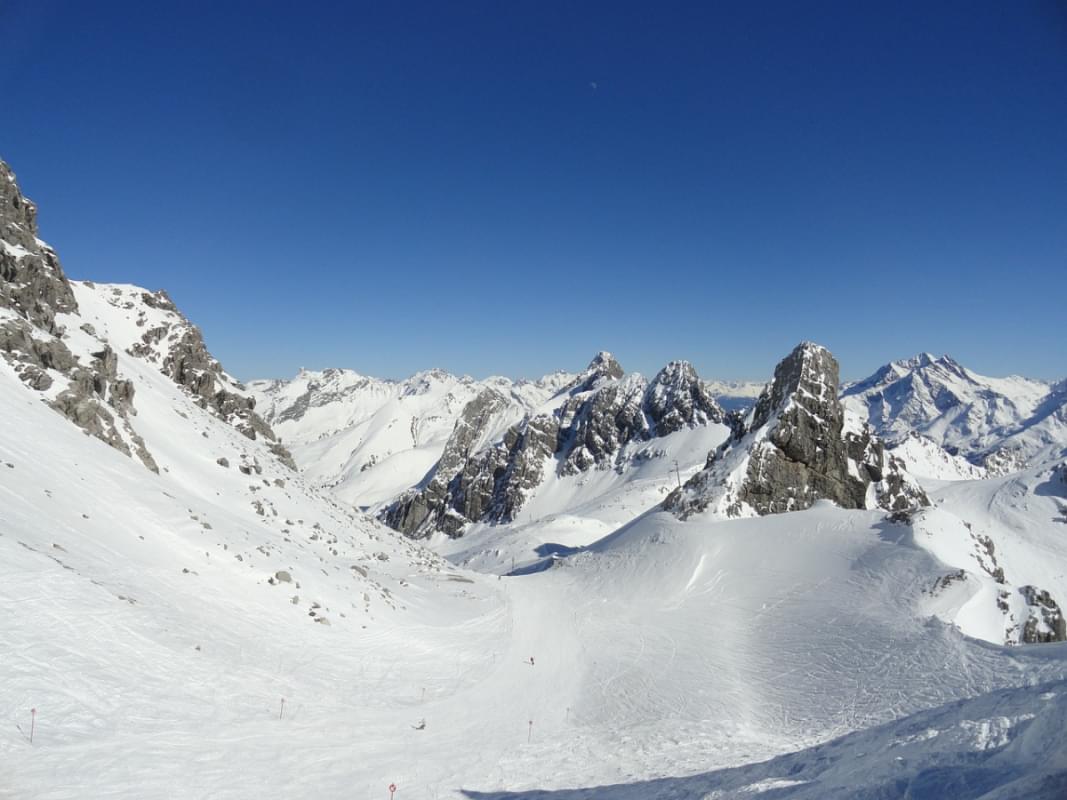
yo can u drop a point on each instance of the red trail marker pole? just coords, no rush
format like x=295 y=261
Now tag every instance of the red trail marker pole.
x=33 y=721
x=392 y=790
x=530 y=734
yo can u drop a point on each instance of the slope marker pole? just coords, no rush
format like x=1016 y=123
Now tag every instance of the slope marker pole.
x=281 y=710
x=33 y=721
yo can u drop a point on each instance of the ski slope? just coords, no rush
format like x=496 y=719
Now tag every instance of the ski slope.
x=148 y=623
x=661 y=652
x=185 y=616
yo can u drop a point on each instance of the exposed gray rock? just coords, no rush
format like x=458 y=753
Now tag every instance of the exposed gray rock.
x=32 y=283
x=598 y=414
x=189 y=364
x=423 y=509
x=678 y=399
x=1045 y=622
x=794 y=450
x=35 y=377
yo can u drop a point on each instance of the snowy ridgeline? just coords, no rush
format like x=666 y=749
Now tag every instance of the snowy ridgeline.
x=187 y=616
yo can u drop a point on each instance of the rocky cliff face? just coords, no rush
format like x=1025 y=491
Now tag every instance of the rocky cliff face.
x=32 y=283
x=592 y=420
x=795 y=448
x=177 y=347
x=75 y=368
x=1045 y=622
x=34 y=294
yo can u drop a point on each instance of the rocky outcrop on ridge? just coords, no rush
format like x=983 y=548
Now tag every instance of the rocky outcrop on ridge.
x=86 y=388
x=188 y=363
x=34 y=290
x=1045 y=622
x=32 y=283
x=795 y=448
x=594 y=417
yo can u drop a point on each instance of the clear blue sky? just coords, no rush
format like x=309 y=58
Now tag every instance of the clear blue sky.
x=507 y=187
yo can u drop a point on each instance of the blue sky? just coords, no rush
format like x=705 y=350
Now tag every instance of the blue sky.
x=508 y=187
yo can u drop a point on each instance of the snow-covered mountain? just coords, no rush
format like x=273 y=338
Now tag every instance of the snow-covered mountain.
x=369 y=439
x=735 y=395
x=796 y=446
x=998 y=423
x=586 y=426
x=184 y=615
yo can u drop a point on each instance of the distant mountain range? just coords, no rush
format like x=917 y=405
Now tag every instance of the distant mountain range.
x=1001 y=424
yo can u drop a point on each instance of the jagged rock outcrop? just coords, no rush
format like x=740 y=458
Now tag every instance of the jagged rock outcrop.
x=1045 y=622
x=795 y=449
x=189 y=364
x=34 y=290
x=678 y=399
x=32 y=283
x=595 y=417
x=87 y=390
x=425 y=508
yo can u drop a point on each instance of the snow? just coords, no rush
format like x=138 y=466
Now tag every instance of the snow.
x=926 y=459
x=367 y=439
x=964 y=412
x=667 y=655
x=146 y=619
x=13 y=249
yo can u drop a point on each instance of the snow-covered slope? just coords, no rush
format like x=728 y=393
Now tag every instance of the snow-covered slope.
x=1010 y=535
x=1003 y=745
x=735 y=395
x=927 y=459
x=369 y=439
x=667 y=650
x=184 y=616
x=1001 y=423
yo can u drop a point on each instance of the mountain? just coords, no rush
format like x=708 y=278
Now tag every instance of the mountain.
x=794 y=447
x=735 y=395
x=368 y=440
x=998 y=423
x=185 y=616
x=137 y=474
x=586 y=426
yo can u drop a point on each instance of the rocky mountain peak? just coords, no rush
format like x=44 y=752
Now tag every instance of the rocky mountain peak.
x=678 y=398
x=795 y=450
x=598 y=415
x=32 y=282
x=604 y=363
x=808 y=376
x=18 y=216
